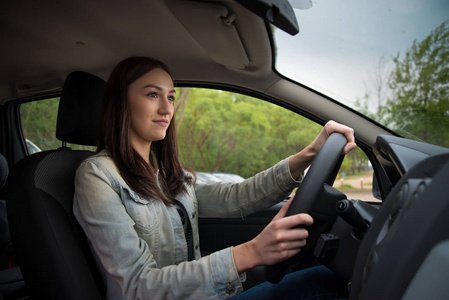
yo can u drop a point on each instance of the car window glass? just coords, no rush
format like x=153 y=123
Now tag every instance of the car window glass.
x=227 y=134
x=386 y=59
x=39 y=126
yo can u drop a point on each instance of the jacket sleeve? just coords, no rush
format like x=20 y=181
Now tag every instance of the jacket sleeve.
x=224 y=199
x=128 y=259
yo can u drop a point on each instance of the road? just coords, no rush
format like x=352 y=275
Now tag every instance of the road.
x=362 y=188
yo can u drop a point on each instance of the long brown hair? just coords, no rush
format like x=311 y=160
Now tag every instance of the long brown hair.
x=116 y=129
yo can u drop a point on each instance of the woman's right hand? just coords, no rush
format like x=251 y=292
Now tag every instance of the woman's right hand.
x=277 y=242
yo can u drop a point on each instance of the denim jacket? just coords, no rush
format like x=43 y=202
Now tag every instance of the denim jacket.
x=140 y=243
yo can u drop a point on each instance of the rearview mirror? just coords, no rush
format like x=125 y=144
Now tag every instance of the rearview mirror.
x=277 y=12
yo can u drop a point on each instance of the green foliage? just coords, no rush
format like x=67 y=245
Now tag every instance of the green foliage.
x=218 y=132
x=227 y=132
x=39 y=122
x=356 y=161
x=418 y=104
x=346 y=166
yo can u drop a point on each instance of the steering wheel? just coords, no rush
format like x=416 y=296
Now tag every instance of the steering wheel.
x=314 y=194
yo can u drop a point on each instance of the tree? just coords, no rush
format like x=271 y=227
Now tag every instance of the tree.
x=375 y=98
x=39 y=122
x=180 y=105
x=228 y=132
x=215 y=129
x=419 y=104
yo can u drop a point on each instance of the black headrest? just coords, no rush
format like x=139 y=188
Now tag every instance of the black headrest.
x=4 y=170
x=79 y=114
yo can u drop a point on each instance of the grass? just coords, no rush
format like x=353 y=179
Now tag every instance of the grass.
x=345 y=187
x=358 y=175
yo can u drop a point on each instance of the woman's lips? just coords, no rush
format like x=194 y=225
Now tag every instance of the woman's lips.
x=161 y=122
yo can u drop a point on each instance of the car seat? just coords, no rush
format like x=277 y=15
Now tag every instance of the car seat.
x=51 y=246
x=5 y=238
x=12 y=285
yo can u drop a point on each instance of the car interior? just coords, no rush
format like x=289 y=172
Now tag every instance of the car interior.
x=394 y=248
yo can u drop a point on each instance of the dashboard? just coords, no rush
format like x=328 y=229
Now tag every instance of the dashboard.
x=404 y=254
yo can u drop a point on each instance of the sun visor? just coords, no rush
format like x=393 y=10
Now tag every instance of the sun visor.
x=213 y=27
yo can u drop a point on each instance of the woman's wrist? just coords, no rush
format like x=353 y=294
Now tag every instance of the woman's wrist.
x=300 y=161
x=244 y=257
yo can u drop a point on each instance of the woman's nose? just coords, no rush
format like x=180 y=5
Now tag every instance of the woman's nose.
x=166 y=106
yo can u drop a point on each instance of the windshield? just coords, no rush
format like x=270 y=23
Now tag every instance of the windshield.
x=387 y=59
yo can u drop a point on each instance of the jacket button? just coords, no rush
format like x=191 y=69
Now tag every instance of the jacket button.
x=230 y=288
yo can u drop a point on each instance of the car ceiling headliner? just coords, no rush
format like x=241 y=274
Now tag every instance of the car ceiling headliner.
x=43 y=41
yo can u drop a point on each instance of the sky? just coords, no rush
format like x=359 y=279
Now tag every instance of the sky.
x=341 y=42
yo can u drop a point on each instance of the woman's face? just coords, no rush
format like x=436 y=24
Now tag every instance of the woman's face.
x=151 y=102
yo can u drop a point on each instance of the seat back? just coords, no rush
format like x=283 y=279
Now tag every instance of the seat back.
x=51 y=247
x=5 y=237
x=12 y=285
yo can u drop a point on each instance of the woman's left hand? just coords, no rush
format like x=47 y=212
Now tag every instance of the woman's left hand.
x=301 y=160
x=330 y=128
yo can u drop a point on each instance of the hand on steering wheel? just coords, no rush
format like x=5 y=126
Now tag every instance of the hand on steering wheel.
x=312 y=193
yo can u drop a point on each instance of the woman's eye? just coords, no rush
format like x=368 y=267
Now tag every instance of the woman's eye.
x=152 y=95
x=171 y=98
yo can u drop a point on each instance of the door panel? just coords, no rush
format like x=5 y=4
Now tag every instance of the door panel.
x=220 y=233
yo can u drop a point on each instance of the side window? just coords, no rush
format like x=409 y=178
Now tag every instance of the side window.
x=39 y=126
x=355 y=178
x=223 y=134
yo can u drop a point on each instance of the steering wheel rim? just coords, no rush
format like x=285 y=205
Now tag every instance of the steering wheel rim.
x=322 y=171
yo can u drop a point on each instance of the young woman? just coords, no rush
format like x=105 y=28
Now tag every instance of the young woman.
x=140 y=209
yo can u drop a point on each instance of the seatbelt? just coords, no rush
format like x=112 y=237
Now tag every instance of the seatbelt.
x=187 y=229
